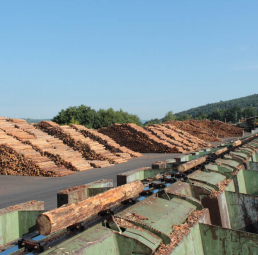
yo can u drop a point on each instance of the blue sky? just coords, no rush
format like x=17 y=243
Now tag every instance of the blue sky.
x=145 y=57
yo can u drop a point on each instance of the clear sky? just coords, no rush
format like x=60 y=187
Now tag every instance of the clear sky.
x=145 y=57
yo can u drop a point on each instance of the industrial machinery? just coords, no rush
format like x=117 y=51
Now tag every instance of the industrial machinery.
x=202 y=203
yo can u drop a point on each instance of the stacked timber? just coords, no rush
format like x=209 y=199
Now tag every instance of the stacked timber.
x=17 y=158
x=108 y=142
x=53 y=148
x=10 y=129
x=138 y=139
x=183 y=136
x=161 y=135
x=90 y=150
x=209 y=131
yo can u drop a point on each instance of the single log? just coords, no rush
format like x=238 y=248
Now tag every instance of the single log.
x=67 y=215
x=193 y=163
x=236 y=143
x=221 y=151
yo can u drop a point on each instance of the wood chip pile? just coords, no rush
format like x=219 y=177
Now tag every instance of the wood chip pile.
x=209 y=131
x=155 y=138
x=90 y=150
x=108 y=142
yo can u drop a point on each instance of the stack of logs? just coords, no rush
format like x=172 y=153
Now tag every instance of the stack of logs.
x=17 y=158
x=209 y=131
x=139 y=139
x=52 y=147
x=183 y=141
x=90 y=150
x=108 y=142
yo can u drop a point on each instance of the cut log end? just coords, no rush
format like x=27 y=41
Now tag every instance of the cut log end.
x=43 y=225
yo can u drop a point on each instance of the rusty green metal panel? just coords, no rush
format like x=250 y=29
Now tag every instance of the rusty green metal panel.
x=191 y=243
x=15 y=221
x=228 y=162
x=76 y=194
x=144 y=237
x=96 y=240
x=211 y=178
x=241 y=181
x=9 y=229
x=14 y=224
x=27 y=220
x=251 y=182
x=161 y=214
x=242 y=210
x=222 y=241
x=138 y=174
x=181 y=188
x=231 y=187
x=101 y=240
x=223 y=211
x=254 y=166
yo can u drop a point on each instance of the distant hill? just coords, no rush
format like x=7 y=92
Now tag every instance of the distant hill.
x=34 y=120
x=241 y=102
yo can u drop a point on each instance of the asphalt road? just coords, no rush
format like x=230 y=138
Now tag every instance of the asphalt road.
x=19 y=189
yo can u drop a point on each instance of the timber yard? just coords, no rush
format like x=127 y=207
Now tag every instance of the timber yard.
x=172 y=188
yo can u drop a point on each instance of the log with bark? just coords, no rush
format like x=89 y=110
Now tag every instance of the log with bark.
x=191 y=164
x=221 y=151
x=67 y=215
x=237 y=143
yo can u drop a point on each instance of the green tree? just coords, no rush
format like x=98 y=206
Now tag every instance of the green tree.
x=249 y=112
x=232 y=114
x=94 y=119
x=216 y=115
x=152 y=121
x=74 y=121
x=169 y=116
x=201 y=116
x=183 y=117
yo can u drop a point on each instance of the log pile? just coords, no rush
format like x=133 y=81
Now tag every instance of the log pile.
x=183 y=141
x=209 y=131
x=91 y=150
x=183 y=137
x=108 y=142
x=17 y=158
x=194 y=129
x=138 y=139
x=53 y=148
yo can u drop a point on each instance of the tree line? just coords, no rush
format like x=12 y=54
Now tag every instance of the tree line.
x=242 y=103
x=85 y=115
x=232 y=114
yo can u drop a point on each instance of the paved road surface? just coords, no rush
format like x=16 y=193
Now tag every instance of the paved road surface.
x=19 y=189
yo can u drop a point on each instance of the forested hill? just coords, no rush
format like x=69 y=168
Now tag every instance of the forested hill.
x=241 y=102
